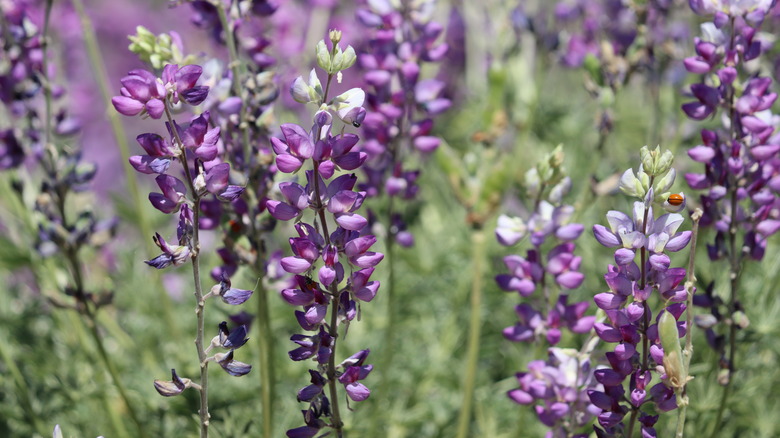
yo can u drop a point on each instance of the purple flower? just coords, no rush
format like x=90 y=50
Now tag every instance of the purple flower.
x=172 y=254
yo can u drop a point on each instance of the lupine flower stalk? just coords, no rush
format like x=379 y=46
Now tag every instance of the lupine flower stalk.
x=206 y=177
x=739 y=183
x=47 y=145
x=564 y=405
x=344 y=256
x=639 y=354
x=241 y=106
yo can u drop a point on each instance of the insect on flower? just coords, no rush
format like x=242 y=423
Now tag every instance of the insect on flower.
x=676 y=199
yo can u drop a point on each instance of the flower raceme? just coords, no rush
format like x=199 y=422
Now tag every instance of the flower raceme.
x=638 y=352
x=342 y=257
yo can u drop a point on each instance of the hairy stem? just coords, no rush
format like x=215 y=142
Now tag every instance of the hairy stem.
x=265 y=342
x=475 y=326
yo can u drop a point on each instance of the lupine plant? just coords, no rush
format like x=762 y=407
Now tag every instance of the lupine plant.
x=194 y=147
x=739 y=184
x=629 y=304
x=333 y=203
x=560 y=384
x=45 y=145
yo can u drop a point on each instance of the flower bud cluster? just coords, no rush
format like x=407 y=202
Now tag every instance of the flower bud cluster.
x=639 y=355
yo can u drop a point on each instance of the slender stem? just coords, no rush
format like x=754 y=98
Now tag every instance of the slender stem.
x=475 y=326
x=682 y=395
x=265 y=342
x=203 y=412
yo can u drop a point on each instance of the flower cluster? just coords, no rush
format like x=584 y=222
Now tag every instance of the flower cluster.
x=558 y=389
x=401 y=105
x=344 y=255
x=195 y=146
x=740 y=181
x=638 y=354
x=550 y=219
x=564 y=403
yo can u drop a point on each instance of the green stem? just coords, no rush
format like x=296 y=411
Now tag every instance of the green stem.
x=200 y=303
x=475 y=326
x=265 y=343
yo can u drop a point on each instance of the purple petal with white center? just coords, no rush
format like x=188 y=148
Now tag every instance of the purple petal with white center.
x=217 y=178
x=316 y=313
x=326 y=275
x=282 y=211
x=678 y=241
x=569 y=232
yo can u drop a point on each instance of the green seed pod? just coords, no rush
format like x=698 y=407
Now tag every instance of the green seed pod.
x=670 y=340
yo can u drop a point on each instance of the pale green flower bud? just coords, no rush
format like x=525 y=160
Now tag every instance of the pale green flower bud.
x=307 y=93
x=336 y=60
x=664 y=184
x=335 y=36
x=559 y=191
x=349 y=58
x=631 y=185
x=323 y=56
x=532 y=182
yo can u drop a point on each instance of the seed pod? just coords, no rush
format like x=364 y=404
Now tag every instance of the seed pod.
x=670 y=340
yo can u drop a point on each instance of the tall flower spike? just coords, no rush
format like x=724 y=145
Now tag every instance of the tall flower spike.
x=638 y=352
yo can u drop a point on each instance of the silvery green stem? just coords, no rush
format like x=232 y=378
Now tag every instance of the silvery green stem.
x=475 y=327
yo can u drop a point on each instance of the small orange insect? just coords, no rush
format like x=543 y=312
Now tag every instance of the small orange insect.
x=675 y=199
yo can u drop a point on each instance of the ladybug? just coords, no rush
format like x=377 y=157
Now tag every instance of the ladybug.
x=675 y=199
